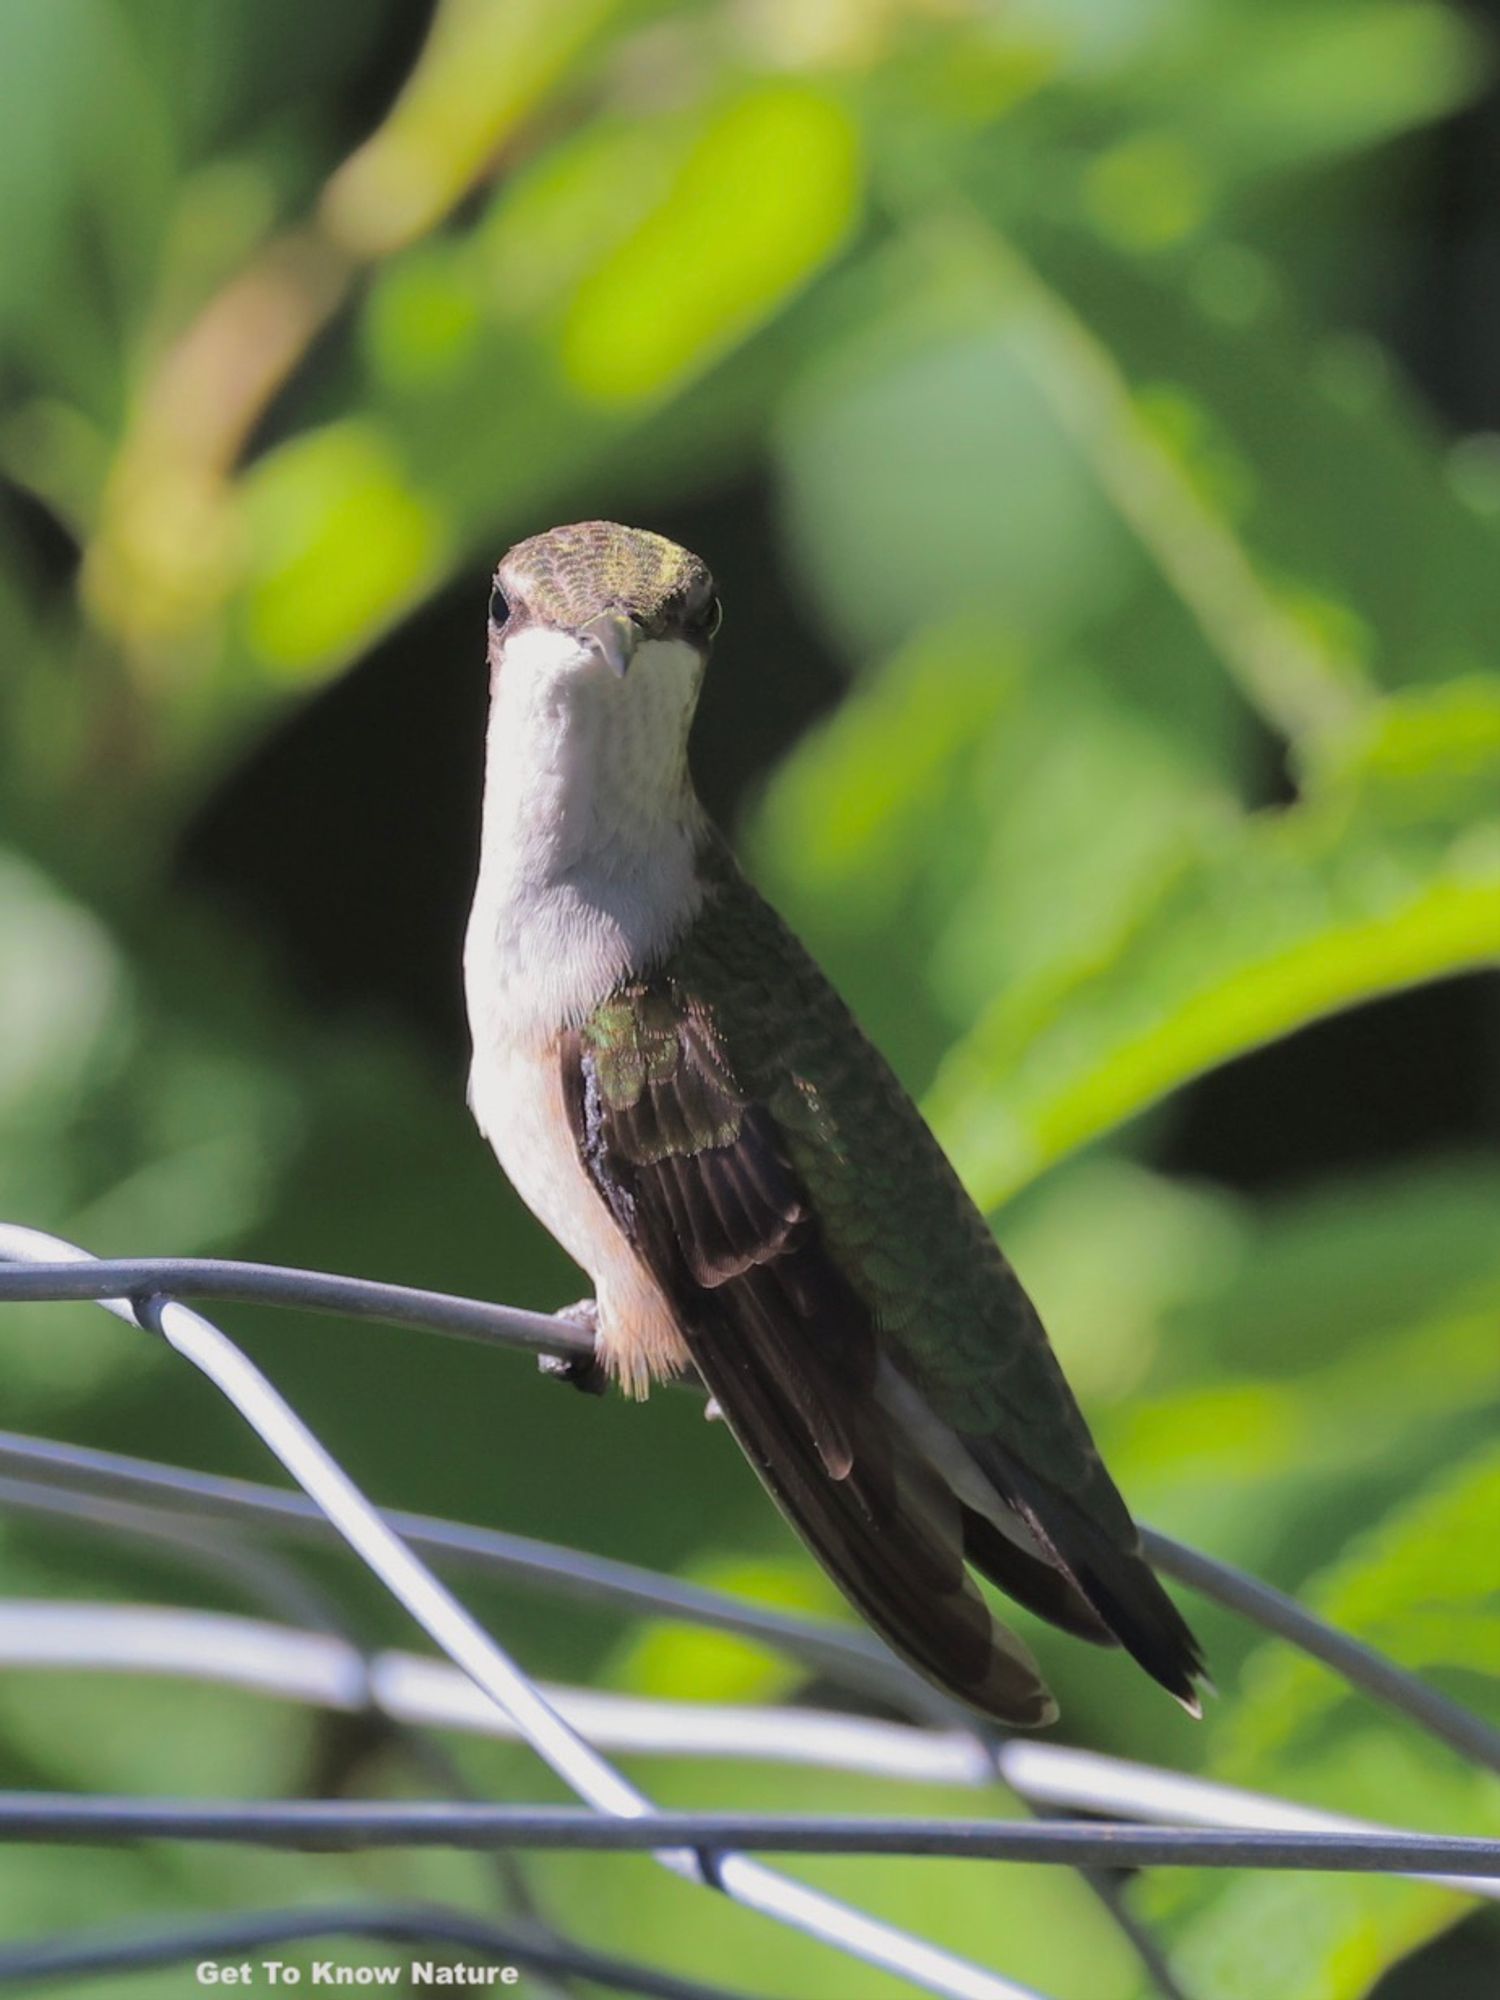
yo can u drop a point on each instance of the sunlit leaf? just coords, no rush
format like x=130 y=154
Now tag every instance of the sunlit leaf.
x=1308 y=448
x=486 y=64
x=340 y=543
x=1294 y=1722
x=766 y=196
x=1401 y=1587
x=1257 y=930
x=691 y=1663
x=1329 y=1941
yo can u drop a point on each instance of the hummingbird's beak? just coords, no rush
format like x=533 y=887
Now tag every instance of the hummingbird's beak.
x=614 y=636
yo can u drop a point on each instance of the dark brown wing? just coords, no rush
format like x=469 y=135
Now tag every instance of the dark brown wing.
x=699 y=1181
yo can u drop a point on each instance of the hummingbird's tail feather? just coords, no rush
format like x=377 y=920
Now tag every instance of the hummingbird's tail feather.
x=1040 y=1586
x=888 y=1532
x=1149 y=1626
x=1115 y=1579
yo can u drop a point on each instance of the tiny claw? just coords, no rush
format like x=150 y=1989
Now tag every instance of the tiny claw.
x=580 y=1371
x=712 y=1413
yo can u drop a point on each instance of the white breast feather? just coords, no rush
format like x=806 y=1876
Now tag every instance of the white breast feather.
x=586 y=875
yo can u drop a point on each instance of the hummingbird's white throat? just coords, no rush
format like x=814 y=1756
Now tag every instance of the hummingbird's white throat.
x=587 y=858
x=587 y=877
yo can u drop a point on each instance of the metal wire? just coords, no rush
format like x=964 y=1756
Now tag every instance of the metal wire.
x=1228 y=1829
x=321 y=1669
x=849 y=1657
x=335 y=1824
x=135 y=1278
x=263 y=1577
x=329 y=1671
x=80 y=1277
x=1350 y=1658
x=456 y=1632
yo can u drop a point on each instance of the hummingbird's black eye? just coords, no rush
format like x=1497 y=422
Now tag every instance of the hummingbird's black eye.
x=499 y=609
x=707 y=621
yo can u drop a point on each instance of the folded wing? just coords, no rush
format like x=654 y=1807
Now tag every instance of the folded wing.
x=697 y=1176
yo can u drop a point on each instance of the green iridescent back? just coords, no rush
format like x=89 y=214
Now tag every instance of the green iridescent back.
x=892 y=1209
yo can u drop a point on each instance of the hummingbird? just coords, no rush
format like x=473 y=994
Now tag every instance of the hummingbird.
x=681 y=1097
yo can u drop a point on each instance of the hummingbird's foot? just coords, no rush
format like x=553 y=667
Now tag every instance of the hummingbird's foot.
x=580 y=1371
x=712 y=1414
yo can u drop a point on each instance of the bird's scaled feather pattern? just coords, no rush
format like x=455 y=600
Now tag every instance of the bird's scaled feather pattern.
x=848 y=1308
x=567 y=575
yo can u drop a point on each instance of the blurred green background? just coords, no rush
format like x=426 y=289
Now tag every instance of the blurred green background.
x=1085 y=408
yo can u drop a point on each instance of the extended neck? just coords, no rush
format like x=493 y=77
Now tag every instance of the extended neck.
x=586 y=775
x=591 y=828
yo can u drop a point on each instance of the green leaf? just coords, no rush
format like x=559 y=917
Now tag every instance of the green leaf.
x=1328 y=1940
x=676 y=1662
x=1292 y=84
x=925 y=476
x=1423 y=1587
x=762 y=201
x=341 y=542
x=486 y=66
x=85 y=176
x=1310 y=464
x=1259 y=928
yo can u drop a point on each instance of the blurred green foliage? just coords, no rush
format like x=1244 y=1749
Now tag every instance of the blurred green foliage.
x=1032 y=314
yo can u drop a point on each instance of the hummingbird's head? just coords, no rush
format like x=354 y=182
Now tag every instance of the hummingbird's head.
x=598 y=639
x=611 y=591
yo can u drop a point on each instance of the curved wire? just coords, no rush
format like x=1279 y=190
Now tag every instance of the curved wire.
x=459 y=1635
x=59 y=1269
x=324 y=1670
x=65 y=1277
x=312 y=1291
x=846 y=1655
x=1349 y=1657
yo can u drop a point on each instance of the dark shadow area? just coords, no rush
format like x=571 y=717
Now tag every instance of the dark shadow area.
x=1459 y=1965
x=1412 y=1074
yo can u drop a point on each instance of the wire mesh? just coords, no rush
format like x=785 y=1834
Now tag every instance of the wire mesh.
x=1140 y=1817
